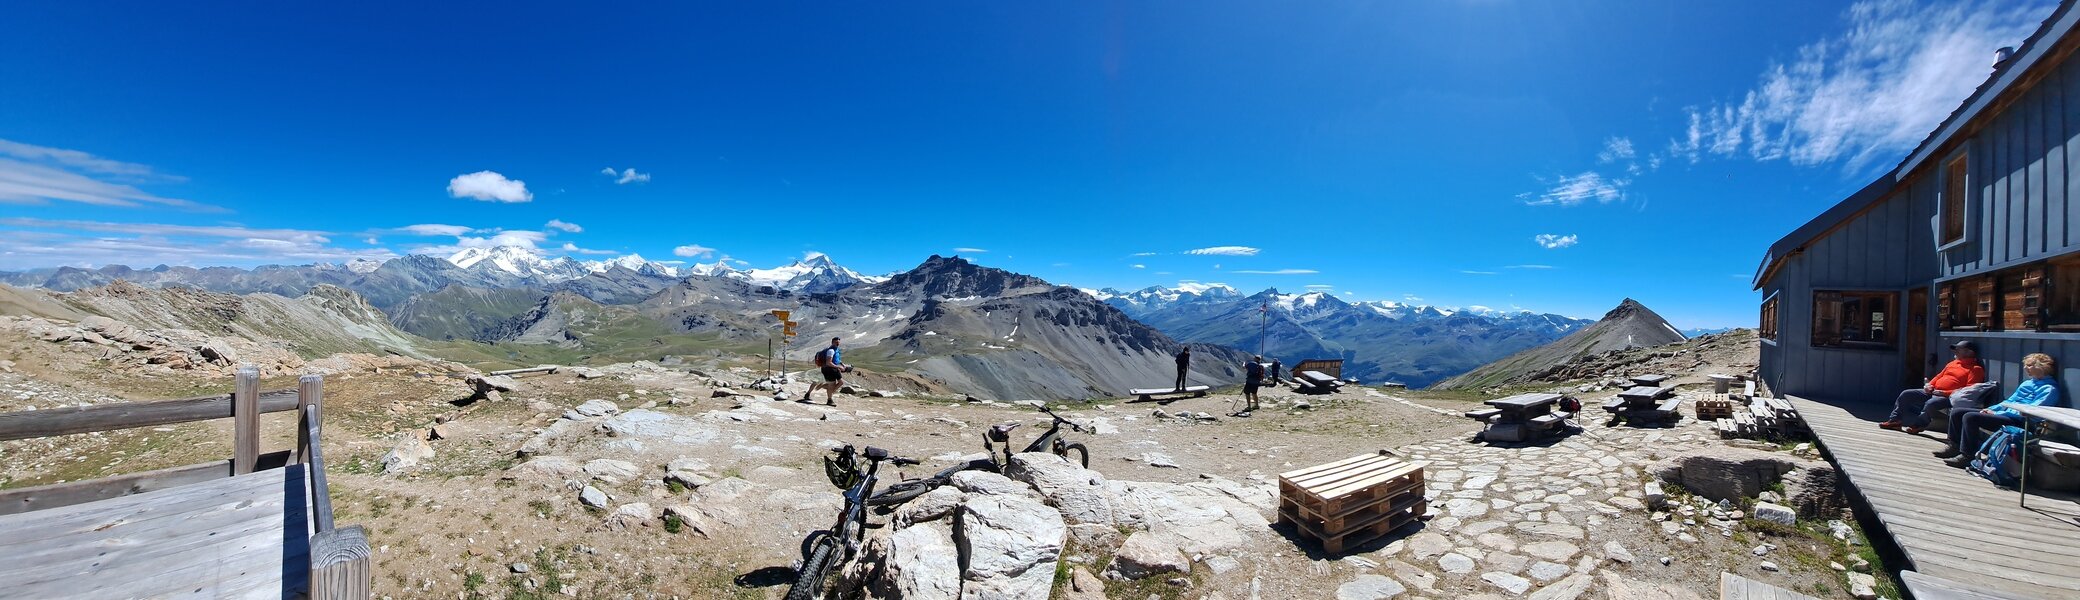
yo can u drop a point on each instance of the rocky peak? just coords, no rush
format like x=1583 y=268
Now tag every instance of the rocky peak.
x=941 y=277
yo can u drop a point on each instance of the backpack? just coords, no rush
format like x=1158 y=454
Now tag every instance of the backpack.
x=823 y=357
x=1996 y=459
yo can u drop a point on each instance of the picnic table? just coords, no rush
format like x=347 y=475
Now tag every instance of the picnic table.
x=1644 y=404
x=1520 y=417
x=1171 y=394
x=2056 y=415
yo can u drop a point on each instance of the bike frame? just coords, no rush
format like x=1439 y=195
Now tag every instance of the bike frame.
x=1047 y=442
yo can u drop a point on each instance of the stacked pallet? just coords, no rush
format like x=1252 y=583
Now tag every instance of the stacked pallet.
x=1352 y=501
x=1763 y=418
x=1716 y=407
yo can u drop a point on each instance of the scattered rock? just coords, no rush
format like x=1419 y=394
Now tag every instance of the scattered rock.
x=410 y=449
x=690 y=518
x=1862 y=586
x=1084 y=586
x=521 y=568
x=1655 y=498
x=631 y=515
x=1453 y=562
x=611 y=471
x=1775 y=513
x=597 y=408
x=1769 y=566
x=591 y=496
x=1725 y=473
x=1509 y=583
x=1146 y=555
x=1617 y=552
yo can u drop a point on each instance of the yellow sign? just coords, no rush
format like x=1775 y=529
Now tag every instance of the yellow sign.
x=782 y=314
x=787 y=328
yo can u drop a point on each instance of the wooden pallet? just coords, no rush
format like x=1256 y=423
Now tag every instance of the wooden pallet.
x=1713 y=409
x=1351 y=501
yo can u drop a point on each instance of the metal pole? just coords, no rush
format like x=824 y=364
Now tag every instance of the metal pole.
x=1263 y=327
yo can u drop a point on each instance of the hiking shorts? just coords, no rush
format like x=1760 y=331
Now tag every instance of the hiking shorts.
x=1251 y=386
x=832 y=374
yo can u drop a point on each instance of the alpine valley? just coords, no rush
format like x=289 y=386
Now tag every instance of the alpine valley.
x=947 y=323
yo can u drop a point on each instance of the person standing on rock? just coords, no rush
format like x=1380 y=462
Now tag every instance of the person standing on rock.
x=832 y=364
x=1184 y=363
x=1254 y=378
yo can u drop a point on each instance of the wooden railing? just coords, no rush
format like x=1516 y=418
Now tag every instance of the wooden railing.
x=339 y=556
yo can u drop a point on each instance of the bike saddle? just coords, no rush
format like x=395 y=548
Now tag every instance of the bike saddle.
x=876 y=453
x=1002 y=433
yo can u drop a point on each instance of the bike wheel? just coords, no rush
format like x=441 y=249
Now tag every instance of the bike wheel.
x=808 y=582
x=1083 y=455
x=903 y=492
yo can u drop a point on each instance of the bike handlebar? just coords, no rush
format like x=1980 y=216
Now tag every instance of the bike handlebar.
x=1058 y=419
x=900 y=461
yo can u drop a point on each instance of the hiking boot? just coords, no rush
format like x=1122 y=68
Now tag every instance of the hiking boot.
x=1892 y=425
x=1947 y=452
x=1911 y=430
x=1960 y=461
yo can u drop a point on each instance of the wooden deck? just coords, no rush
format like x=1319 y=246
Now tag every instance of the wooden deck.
x=234 y=537
x=1950 y=524
x=1735 y=587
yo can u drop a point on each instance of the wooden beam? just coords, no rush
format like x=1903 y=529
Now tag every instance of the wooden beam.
x=340 y=565
x=55 y=495
x=321 y=494
x=540 y=369
x=245 y=416
x=310 y=391
x=106 y=417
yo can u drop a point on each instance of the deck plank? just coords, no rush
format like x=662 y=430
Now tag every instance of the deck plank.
x=1735 y=587
x=226 y=538
x=1946 y=521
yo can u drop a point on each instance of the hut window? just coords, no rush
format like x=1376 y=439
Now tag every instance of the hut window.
x=1853 y=319
x=1769 y=318
x=2062 y=294
x=1966 y=304
x=1952 y=207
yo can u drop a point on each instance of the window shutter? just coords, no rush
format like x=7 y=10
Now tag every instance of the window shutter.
x=1982 y=315
x=1827 y=322
x=1945 y=297
x=2032 y=300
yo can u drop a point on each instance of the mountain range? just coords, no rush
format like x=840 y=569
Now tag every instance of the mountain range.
x=1391 y=341
x=1630 y=325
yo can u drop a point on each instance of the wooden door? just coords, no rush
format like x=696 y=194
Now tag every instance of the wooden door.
x=1914 y=348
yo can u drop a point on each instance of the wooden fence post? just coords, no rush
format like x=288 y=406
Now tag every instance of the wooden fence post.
x=339 y=564
x=310 y=391
x=245 y=418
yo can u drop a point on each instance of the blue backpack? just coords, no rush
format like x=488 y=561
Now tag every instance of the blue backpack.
x=1996 y=459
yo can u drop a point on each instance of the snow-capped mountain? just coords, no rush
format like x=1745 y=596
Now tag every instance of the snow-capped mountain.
x=519 y=262
x=633 y=262
x=713 y=269
x=815 y=274
x=1157 y=297
x=364 y=265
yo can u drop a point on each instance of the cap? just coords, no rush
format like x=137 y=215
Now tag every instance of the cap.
x=1965 y=344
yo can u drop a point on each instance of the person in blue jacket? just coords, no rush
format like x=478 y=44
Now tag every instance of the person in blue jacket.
x=1965 y=423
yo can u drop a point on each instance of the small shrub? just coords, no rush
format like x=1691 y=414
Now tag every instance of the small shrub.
x=673 y=524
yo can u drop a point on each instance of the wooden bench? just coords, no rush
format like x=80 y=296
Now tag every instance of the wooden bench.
x=1614 y=405
x=1483 y=414
x=1670 y=406
x=253 y=526
x=1172 y=394
x=1548 y=421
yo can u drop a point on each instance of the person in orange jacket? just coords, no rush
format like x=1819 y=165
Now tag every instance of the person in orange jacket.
x=1911 y=410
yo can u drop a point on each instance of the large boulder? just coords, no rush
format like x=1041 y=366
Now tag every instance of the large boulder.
x=1815 y=491
x=1205 y=517
x=597 y=408
x=985 y=482
x=611 y=470
x=1148 y=554
x=1080 y=494
x=554 y=469
x=1009 y=545
x=1725 y=473
x=937 y=504
x=922 y=563
x=410 y=449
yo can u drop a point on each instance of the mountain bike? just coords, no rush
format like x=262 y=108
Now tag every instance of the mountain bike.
x=824 y=550
x=998 y=434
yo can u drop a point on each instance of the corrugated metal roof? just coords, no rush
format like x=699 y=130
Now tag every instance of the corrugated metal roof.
x=2034 y=49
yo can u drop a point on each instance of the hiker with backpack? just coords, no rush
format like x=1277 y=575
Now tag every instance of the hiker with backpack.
x=830 y=362
x=1184 y=363
x=1254 y=379
x=2039 y=390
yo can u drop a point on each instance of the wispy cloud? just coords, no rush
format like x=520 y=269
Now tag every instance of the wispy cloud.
x=31 y=174
x=1533 y=267
x=1224 y=251
x=1616 y=149
x=33 y=243
x=434 y=229
x=1140 y=266
x=489 y=186
x=1574 y=190
x=1870 y=93
x=574 y=249
x=1551 y=241
x=625 y=176
x=1142 y=254
x=694 y=251
x=970 y=250
x=1279 y=272
x=1478 y=272
x=567 y=227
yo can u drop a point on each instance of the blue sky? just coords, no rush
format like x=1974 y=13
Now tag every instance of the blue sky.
x=1550 y=156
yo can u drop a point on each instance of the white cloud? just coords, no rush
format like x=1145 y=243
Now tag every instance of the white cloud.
x=1555 y=241
x=1142 y=254
x=695 y=251
x=1140 y=266
x=970 y=250
x=1478 y=272
x=432 y=229
x=33 y=243
x=625 y=176
x=1320 y=286
x=566 y=227
x=489 y=186
x=1615 y=149
x=1534 y=267
x=573 y=248
x=1224 y=251
x=1570 y=191
x=31 y=174
x=1872 y=92
x=1280 y=272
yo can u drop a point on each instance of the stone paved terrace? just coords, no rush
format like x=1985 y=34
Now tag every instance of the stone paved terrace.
x=1948 y=523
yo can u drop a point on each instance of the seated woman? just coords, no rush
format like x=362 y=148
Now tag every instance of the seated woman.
x=1965 y=423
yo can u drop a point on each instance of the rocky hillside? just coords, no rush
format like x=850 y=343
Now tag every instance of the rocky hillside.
x=327 y=320
x=1630 y=325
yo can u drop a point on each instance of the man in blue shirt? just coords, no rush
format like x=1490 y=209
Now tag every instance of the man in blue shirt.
x=831 y=364
x=1965 y=423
